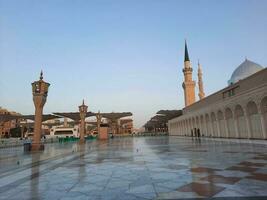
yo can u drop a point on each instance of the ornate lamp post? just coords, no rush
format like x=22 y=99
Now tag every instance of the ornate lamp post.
x=39 y=92
x=83 y=111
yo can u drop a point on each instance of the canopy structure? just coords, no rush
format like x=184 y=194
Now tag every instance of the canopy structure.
x=73 y=115
x=114 y=116
x=8 y=117
x=45 y=117
x=159 y=122
x=170 y=114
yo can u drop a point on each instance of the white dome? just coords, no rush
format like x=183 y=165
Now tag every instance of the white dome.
x=246 y=69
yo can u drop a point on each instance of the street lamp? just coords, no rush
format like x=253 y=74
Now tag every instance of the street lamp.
x=83 y=110
x=39 y=92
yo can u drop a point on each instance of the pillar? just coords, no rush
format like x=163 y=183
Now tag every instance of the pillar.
x=200 y=127
x=82 y=130
x=218 y=127
x=39 y=91
x=236 y=127
x=263 y=126
x=22 y=131
x=65 y=122
x=39 y=103
x=98 y=121
x=226 y=127
x=83 y=111
x=248 y=123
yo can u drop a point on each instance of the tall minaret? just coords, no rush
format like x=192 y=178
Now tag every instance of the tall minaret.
x=201 y=93
x=188 y=84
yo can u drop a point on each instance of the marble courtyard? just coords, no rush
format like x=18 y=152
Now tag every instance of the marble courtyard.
x=137 y=168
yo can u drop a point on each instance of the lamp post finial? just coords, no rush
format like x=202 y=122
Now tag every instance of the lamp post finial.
x=41 y=75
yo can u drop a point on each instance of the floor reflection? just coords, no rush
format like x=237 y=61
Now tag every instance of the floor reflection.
x=138 y=168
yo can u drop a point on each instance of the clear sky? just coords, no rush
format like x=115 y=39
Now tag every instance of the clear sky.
x=123 y=55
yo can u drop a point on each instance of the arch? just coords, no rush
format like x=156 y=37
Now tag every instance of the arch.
x=230 y=122
x=221 y=124
x=254 y=120
x=214 y=125
x=264 y=114
x=241 y=122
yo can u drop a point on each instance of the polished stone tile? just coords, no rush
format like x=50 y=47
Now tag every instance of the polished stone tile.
x=242 y=168
x=202 y=189
x=258 y=176
x=137 y=168
x=221 y=179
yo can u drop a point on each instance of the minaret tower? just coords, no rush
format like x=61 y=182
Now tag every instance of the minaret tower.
x=188 y=84
x=201 y=93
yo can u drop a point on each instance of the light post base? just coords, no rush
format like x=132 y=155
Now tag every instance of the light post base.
x=37 y=147
x=82 y=141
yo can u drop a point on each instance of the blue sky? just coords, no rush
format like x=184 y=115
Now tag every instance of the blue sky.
x=123 y=55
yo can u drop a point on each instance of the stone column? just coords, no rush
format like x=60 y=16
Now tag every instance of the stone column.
x=200 y=127
x=118 y=130
x=82 y=130
x=22 y=131
x=236 y=127
x=217 y=126
x=98 y=121
x=248 y=123
x=263 y=126
x=39 y=102
x=205 y=126
x=83 y=111
x=65 y=122
x=39 y=91
x=226 y=127
x=113 y=125
x=186 y=128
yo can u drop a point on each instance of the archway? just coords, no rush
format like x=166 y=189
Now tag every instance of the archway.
x=230 y=122
x=254 y=120
x=241 y=122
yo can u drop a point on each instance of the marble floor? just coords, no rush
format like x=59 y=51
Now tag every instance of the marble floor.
x=137 y=168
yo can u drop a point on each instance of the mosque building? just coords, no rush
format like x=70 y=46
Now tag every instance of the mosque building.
x=236 y=111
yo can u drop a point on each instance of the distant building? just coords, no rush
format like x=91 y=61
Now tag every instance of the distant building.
x=5 y=127
x=236 y=111
x=126 y=126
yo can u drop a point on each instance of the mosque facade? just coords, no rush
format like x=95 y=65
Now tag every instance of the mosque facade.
x=236 y=111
